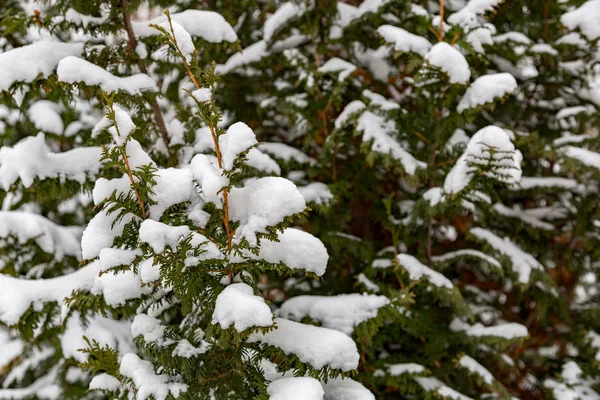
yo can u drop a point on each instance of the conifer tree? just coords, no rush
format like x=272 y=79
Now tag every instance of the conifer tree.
x=299 y=199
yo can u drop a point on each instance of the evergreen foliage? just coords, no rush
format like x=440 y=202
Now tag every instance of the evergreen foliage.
x=299 y=199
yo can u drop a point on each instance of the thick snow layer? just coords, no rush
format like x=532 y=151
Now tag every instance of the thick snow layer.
x=104 y=382
x=100 y=233
x=10 y=348
x=336 y=64
x=17 y=295
x=522 y=263
x=467 y=17
x=467 y=253
x=286 y=153
x=173 y=186
x=74 y=70
x=515 y=37
x=104 y=330
x=238 y=139
x=297 y=250
x=123 y=126
x=316 y=192
x=369 y=284
x=24 y=64
x=407 y=368
x=159 y=236
x=342 y=312
x=417 y=270
x=346 y=389
x=182 y=38
x=351 y=109
x=584 y=18
x=507 y=331
x=209 y=178
x=284 y=14
x=403 y=40
x=587 y=157
x=50 y=237
x=262 y=162
x=486 y=89
x=118 y=287
x=431 y=384
x=45 y=115
x=296 y=388
x=523 y=216
x=237 y=305
x=379 y=131
x=450 y=61
x=474 y=367
x=31 y=158
x=150 y=329
x=251 y=54
x=380 y=101
x=45 y=388
x=314 y=345
x=202 y=95
x=208 y=25
x=263 y=203
x=504 y=164
x=530 y=182
x=147 y=382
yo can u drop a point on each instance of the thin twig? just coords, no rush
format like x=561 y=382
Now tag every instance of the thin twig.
x=132 y=44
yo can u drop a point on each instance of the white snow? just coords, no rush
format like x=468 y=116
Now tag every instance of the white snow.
x=238 y=139
x=543 y=48
x=237 y=305
x=467 y=253
x=17 y=295
x=105 y=331
x=522 y=263
x=316 y=192
x=208 y=25
x=407 y=368
x=508 y=331
x=416 y=271
x=173 y=186
x=379 y=130
x=74 y=70
x=118 y=287
x=336 y=64
x=346 y=389
x=486 y=89
x=342 y=312
x=587 y=157
x=253 y=53
x=150 y=329
x=314 y=345
x=403 y=40
x=369 y=284
x=531 y=182
x=450 y=61
x=159 y=236
x=351 y=109
x=31 y=158
x=505 y=162
x=474 y=367
x=182 y=38
x=585 y=18
x=284 y=14
x=523 y=216
x=147 y=382
x=515 y=37
x=297 y=250
x=202 y=95
x=104 y=381
x=285 y=152
x=45 y=115
x=210 y=179
x=296 y=388
x=50 y=237
x=25 y=63
x=100 y=233
x=263 y=203
x=431 y=384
